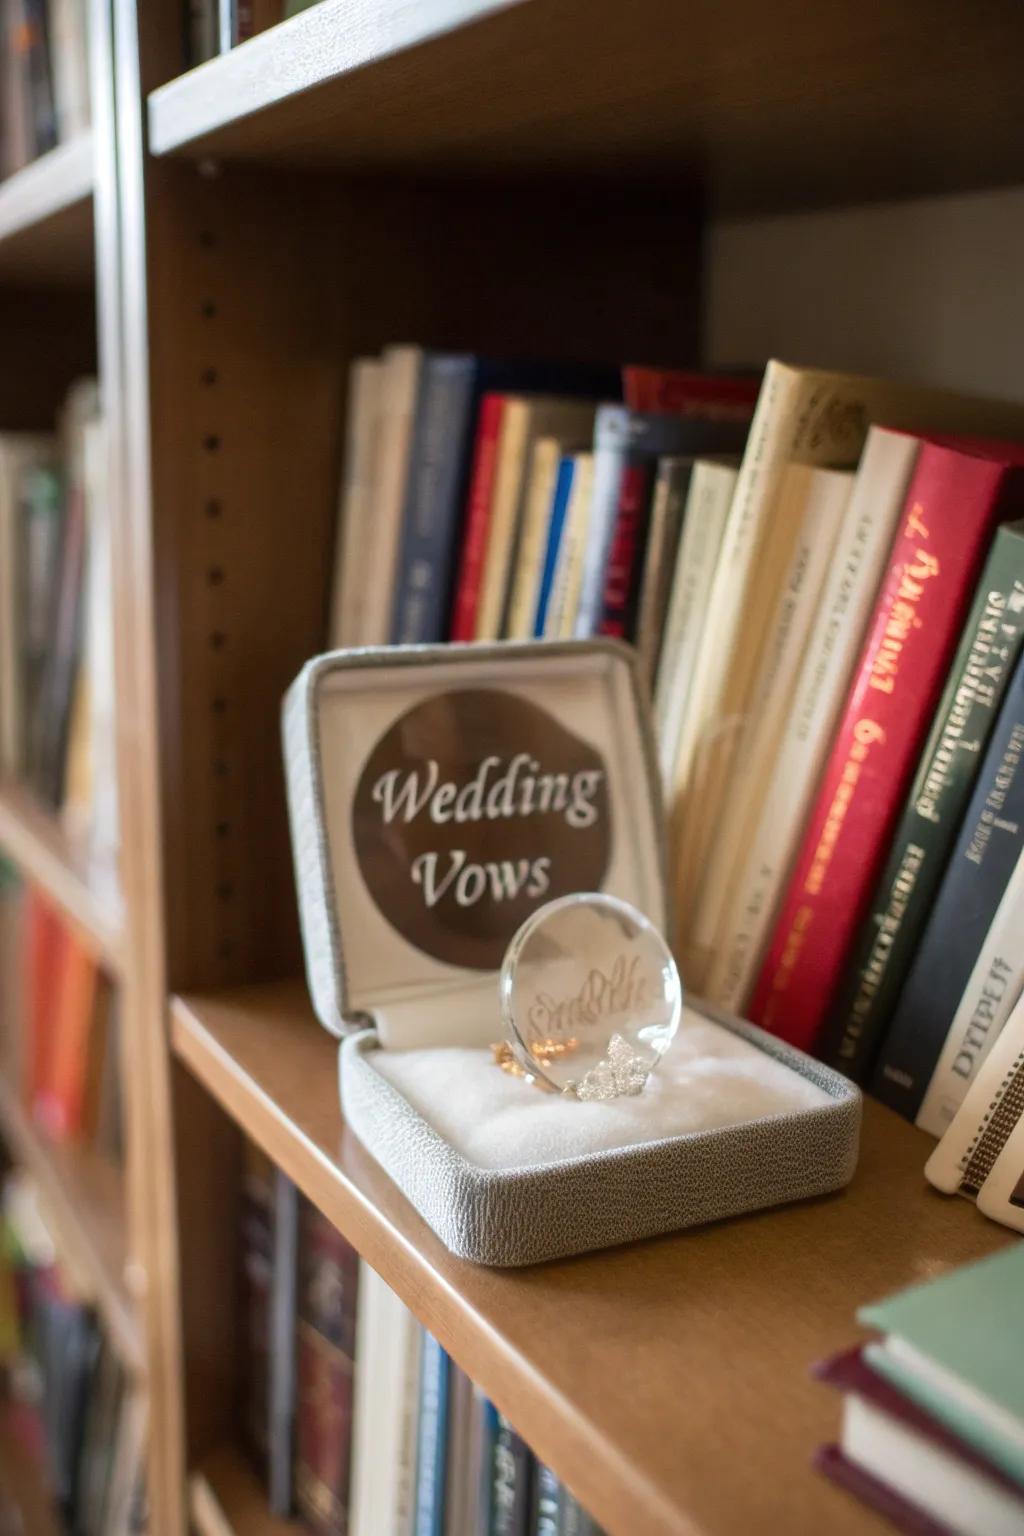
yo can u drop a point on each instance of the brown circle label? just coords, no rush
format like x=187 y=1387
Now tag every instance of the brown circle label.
x=475 y=808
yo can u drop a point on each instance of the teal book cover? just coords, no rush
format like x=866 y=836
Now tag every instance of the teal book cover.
x=954 y=1347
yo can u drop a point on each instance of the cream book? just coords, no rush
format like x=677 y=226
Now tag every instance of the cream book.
x=355 y=503
x=858 y=564
x=526 y=418
x=540 y=489
x=710 y=493
x=384 y=1411
x=993 y=989
x=396 y=410
x=568 y=578
x=818 y=498
x=810 y=417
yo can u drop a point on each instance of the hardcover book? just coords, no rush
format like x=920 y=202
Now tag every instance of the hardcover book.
x=945 y=775
x=955 y=498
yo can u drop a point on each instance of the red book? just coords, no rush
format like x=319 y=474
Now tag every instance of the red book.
x=625 y=560
x=954 y=500
x=45 y=937
x=711 y=396
x=478 y=518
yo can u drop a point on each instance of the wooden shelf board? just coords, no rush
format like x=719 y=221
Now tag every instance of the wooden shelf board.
x=32 y=839
x=749 y=106
x=83 y=1196
x=23 y=1485
x=46 y=222
x=666 y=1382
x=227 y=1499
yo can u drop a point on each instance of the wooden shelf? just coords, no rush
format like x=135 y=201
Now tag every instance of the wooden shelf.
x=31 y=838
x=666 y=1382
x=22 y=1481
x=84 y=1198
x=227 y=1499
x=46 y=218
x=755 y=106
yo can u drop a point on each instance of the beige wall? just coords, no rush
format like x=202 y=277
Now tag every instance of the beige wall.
x=932 y=289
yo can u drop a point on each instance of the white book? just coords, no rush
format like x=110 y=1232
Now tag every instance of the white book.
x=540 y=489
x=805 y=416
x=560 y=622
x=69 y=55
x=707 y=507
x=355 y=503
x=995 y=985
x=384 y=1412
x=611 y=438
x=396 y=411
x=19 y=452
x=847 y=601
x=819 y=498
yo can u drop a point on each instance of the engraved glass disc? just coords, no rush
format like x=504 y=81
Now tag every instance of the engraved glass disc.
x=590 y=997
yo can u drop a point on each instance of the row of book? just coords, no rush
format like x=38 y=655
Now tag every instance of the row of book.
x=70 y=1405
x=358 y=1419
x=45 y=72
x=824 y=586
x=933 y=1417
x=60 y=1024
x=57 y=691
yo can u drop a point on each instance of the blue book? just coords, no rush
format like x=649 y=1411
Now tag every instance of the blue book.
x=556 y=528
x=432 y=1439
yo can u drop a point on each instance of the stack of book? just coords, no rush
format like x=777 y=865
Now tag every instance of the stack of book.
x=72 y=1406
x=829 y=609
x=933 y=1418
x=356 y=1417
x=45 y=77
x=56 y=638
x=60 y=1025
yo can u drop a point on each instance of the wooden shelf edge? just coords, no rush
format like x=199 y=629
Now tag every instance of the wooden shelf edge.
x=32 y=840
x=48 y=186
x=84 y=1198
x=325 y=42
x=226 y=1498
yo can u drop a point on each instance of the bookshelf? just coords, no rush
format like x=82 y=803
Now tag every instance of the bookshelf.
x=219 y=246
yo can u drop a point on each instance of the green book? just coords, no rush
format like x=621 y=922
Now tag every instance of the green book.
x=952 y=756
x=953 y=1346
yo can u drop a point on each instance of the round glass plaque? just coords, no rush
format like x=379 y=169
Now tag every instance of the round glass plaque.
x=590 y=997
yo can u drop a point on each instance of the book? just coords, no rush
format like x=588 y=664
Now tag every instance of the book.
x=633 y=440
x=433 y=499
x=563 y=605
x=557 y=533
x=19 y=454
x=814 y=502
x=460 y=1478
x=256 y=1266
x=532 y=565
x=512 y=1498
x=469 y=584
x=41 y=520
x=281 y=1392
x=546 y=1516
x=483 y=1432
x=355 y=503
x=668 y=502
x=60 y=1104
x=525 y=419
x=328 y=1284
x=431 y=1458
x=949 y=765
x=987 y=848
x=708 y=498
x=965 y=1376
x=69 y=67
x=709 y=396
x=386 y=1412
x=988 y=1116
x=812 y=417
x=397 y=396
x=912 y=1456
x=847 y=599
x=955 y=498
x=45 y=936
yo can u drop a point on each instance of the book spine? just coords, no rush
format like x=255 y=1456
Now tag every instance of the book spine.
x=511 y=1503
x=538 y=511
x=609 y=464
x=668 y=500
x=546 y=1501
x=433 y=1435
x=560 y=621
x=945 y=524
x=552 y=550
x=708 y=396
x=945 y=777
x=281 y=1388
x=625 y=556
x=432 y=504
x=478 y=517
x=986 y=852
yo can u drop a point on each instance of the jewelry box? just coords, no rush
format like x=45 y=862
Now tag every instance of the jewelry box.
x=439 y=795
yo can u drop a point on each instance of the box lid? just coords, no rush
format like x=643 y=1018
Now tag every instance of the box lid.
x=438 y=795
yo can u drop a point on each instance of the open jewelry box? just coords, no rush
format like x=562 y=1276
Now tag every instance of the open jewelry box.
x=438 y=796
